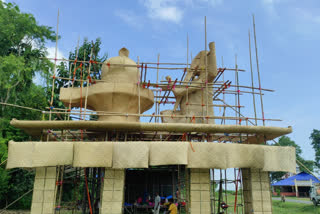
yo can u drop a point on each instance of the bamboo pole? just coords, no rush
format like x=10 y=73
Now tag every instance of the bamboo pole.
x=139 y=84
x=75 y=70
x=4 y=209
x=252 y=82
x=55 y=63
x=257 y=61
x=54 y=69
x=18 y=106
x=156 y=119
x=206 y=62
x=88 y=77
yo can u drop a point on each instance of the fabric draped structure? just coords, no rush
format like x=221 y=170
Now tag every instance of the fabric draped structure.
x=143 y=154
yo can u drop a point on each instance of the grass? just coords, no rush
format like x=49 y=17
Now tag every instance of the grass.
x=293 y=207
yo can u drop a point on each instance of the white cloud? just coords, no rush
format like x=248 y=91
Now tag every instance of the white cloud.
x=130 y=18
x=270 y=7
x=52 y=51
x=165 y=10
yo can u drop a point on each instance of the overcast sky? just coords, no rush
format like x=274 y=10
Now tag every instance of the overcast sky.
x=288 y=36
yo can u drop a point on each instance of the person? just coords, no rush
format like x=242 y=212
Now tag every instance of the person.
x=224 y=206
x=157 y=201
x=172 y=207
x=139 y=200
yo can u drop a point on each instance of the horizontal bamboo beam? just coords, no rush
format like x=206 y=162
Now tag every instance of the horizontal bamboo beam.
x=136 y=126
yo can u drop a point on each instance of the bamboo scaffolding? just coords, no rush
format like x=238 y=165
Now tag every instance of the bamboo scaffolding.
x=241 y=86
x=139 y=66
x=185 y=85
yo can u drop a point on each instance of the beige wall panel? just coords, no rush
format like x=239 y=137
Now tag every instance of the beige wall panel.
x=130 y=155
x=168 y=153
x=207 y=155
x=254 y=156
x=92 y=154
x=19 y=154
x=52 y=153
x=279 y=159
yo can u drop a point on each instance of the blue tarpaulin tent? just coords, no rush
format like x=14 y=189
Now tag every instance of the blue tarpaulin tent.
x=302 y=176
x=297 y=185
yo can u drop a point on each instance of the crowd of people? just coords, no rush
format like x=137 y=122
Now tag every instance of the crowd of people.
x=157 y=203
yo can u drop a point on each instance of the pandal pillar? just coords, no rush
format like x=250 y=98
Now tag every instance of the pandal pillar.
x=256 y=191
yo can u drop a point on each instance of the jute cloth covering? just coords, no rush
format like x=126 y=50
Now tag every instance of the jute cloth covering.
x=130 y=155
x=168 y=153
x=144 y=154
x=93 y=154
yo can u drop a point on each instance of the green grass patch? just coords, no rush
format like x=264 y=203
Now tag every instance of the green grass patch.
x=293 y=207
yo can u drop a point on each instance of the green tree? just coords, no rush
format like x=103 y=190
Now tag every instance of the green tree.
x=315 y=142
x=286 y=141
x=69 y=70
x=22 y=45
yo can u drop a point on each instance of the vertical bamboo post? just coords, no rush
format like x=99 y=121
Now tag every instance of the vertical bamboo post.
x=139 y=75
x=156 y=119
x=225 y=186
x=252 y=81
x=235 y=94
x=187 y=51
x=75 y=69
x=258 y=71
x=55 y=65
x=223 y=95
x=206 y=61
x=54 y=71
x=88 y=77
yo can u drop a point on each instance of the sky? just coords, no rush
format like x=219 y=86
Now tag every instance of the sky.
x=288 y=35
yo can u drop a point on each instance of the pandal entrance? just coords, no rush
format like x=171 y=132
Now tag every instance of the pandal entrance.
x=142 y=185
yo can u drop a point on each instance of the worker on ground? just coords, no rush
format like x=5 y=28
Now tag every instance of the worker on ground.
x=157 y=201
x=172 y=207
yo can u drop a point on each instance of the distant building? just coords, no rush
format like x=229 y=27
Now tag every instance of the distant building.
x=297 y=185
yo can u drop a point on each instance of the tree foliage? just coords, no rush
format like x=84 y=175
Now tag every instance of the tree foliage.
x=315 y=142
x=80 y=70
x=22 y=45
